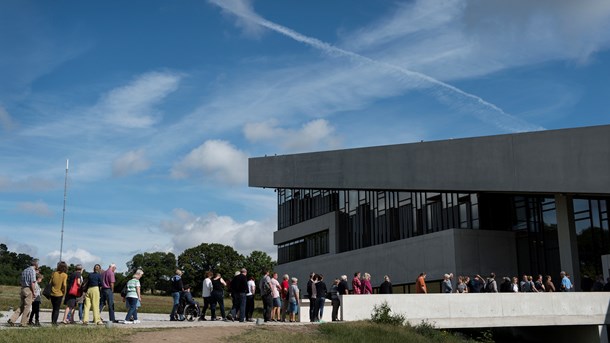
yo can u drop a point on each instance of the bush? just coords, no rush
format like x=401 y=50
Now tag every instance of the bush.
x=382 y=314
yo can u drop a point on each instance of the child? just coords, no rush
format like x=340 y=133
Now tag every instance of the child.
x=36 y=304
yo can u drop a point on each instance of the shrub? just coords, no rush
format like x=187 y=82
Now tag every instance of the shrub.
x=382 y=314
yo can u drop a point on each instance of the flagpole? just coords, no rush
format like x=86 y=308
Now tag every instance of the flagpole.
x=61 y=246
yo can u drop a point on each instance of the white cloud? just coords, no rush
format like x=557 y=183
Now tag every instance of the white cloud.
x=131 y=162
x=243 y=6
x=450 y=95
x=27 y=183
x=38 y=208
x=215 y=160
x=73 y=256
x=189 y=230
x=6 y=122
x=455 y=39
x=314 y=135
x=132 y=105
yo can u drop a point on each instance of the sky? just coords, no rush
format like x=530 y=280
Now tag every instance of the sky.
x=159 y=104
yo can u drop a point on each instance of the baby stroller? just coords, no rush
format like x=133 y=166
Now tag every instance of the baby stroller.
x=187 y=311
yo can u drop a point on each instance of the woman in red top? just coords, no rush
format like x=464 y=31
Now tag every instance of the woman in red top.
x=285 y=285
x=356 y=285
x=366 y=284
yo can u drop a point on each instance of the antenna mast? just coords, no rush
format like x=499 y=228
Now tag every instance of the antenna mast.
x=61 y=246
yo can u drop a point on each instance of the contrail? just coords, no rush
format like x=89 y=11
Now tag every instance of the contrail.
x=502 y=119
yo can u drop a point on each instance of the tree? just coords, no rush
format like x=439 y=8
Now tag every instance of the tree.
x=213 y=257
x=11 y=265
x=257 y=262
x=158 y=267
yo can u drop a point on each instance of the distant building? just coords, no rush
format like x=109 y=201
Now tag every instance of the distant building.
x=527 y=203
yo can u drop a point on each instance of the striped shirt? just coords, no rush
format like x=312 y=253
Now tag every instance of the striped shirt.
x=28 y=277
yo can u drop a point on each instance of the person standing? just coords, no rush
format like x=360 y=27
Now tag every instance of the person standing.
x=321 y=291
x=265 y=287
x=420 y=284
x=177 y=288
x=58 y=289
x=35 y=314
x=356 y=284
x=293 y=298
x=133 y=297
x=548 y=284
x=239 y=286
x=284 y=286
x=342 y=289
x=277 y=303
x=566 y=284
x=311 y=295
x=250 y=299
x=367 y=288
x=74 y=282
x=218 y=295
x=386 y=286
x=92 y=299
x=107 y=294
x=491 y=286
x=447 y=287
x=28 y=288
x=206 y=293
x=334 y=299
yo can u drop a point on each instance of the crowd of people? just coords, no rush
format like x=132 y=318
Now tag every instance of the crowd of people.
x=86 y=295
x=281 y=299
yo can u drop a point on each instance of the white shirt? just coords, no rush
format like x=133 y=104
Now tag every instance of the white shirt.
x=251 y=288
x=207 y=288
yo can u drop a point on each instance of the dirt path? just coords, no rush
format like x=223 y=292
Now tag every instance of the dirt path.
x=193 y=334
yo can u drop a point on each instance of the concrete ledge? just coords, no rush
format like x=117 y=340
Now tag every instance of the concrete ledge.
x=487 y=310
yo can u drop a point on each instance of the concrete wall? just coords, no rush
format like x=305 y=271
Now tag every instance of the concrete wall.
x=555 y=161
x=486 y=309
x=462 y=252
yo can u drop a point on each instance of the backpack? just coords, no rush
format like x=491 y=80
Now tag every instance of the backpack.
x=266 y=288
x=489 y=286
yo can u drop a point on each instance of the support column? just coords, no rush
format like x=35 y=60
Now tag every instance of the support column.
x=603 y=333
x=566 y=234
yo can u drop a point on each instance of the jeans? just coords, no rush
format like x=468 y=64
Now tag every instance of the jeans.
x=133 y=308
x=319 y=308
x=176 y=296
x=239 y=303
x=218 y=299
x=108 y=297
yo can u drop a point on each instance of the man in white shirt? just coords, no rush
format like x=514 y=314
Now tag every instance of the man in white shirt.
x=206 y=293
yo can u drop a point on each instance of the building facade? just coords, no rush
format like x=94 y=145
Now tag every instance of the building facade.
x=528 y=203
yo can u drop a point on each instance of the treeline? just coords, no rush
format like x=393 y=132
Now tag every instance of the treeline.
x=158 y=267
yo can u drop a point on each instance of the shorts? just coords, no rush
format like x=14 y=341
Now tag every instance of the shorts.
x=277 y=302
x=293 y=308
x=70 y=302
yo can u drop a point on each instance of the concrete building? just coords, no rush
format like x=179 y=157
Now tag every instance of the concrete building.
x=528 y=203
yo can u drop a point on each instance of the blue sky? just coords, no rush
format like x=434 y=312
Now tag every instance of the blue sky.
x=158 y=104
